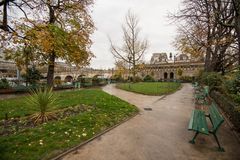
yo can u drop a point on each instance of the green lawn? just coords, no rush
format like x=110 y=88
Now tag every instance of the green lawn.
x=50 y=139
x=151 y=88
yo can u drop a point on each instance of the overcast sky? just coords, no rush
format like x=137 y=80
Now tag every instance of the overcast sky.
x=108 y=16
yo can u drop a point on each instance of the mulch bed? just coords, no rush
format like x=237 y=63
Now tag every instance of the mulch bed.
x=20 y=124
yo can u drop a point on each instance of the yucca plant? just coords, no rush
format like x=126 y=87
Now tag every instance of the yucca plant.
x=42 y=98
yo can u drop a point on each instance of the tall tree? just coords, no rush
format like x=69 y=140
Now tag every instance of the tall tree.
x=73 y=17
x=227 y=13
x=201 y=33
x=133 y=47
x=57 y=29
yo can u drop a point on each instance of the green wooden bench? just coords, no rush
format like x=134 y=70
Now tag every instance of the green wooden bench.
x=195 y=85
x=198 y=123
x=202 y=95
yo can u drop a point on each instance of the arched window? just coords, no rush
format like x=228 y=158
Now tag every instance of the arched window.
x=171 y=75
x=165 y=75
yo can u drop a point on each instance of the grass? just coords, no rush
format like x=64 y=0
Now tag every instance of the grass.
x=17 y=106
x=50 y=139
x=151 y=88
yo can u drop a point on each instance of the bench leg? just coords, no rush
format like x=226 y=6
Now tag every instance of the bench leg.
x=219 y=146
x=193 y=140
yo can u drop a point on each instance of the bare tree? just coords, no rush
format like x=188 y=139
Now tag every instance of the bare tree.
x=202 y=33
x=133 y=47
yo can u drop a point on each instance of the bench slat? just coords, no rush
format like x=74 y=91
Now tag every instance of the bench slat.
x=198 y=122
x=216 y=117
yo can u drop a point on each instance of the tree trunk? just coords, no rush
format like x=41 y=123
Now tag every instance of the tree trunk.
x=207 y=65
x=238 y=37
x=236 y=5
x=134 y=68
x=50 y=73
x=4 y=22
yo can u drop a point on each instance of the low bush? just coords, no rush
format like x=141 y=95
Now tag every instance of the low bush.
x=57 y=82
x=212 y=79
x=117 y=78
x=148 y=78
x=137 y=79
x=4 y=84
x=185 y=79
x=232 y=84
x=96 y=80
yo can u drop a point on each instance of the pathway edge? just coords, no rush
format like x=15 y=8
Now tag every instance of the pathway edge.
x=61 y=155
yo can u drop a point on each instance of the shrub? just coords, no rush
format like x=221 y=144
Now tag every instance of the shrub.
x=32 y=75
x=57 y=82
x=148 y=78
x=43 y=99
x=212 y=79
x=233 y=85
x=186 y=79
x=4 y=84
x=117 y=78
x=137 y=79
x=95 y=80
x=86 y=82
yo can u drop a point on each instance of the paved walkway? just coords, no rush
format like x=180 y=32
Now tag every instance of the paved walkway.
x=160 y=134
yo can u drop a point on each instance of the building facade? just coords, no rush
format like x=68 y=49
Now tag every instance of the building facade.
x=162 y=68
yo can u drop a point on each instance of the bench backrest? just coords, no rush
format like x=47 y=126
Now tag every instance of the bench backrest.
x=216 y=117
x=195 y=84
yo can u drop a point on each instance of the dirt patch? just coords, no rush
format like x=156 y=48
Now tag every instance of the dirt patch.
x=20 y=124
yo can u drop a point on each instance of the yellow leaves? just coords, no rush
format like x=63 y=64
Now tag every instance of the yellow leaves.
x=41 y=37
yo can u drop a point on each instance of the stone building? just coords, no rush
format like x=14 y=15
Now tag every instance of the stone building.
x=163 y=68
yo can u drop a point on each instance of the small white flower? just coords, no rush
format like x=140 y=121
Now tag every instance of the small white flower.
x=41 y=142
x=84 y=134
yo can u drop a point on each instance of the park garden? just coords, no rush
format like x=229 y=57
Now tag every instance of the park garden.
x=47 y=117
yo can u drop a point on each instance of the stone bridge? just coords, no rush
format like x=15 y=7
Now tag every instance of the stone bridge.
x=62 y=72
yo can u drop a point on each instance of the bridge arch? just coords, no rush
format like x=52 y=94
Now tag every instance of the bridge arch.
x=68 y=78
x=57 y=78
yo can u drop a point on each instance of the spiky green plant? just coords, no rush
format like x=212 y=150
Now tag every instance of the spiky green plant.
x=42 y=98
